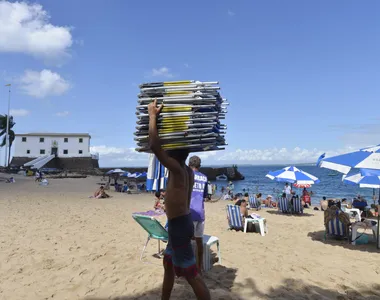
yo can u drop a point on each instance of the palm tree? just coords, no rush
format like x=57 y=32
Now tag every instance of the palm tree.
x=3 y=131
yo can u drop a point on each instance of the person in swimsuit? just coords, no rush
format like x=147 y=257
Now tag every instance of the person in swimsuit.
x=179 y=258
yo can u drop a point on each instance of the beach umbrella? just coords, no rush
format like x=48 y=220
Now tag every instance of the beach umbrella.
x=302 y=185
x=134 y=175
x=363 y=180
x=118 y=171
x=157 y=175
x=366 y=158
x=115 y=171
x=292 y=175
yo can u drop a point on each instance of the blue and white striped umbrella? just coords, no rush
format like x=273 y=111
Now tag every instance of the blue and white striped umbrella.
x=292 y=175
x=134 y=175
x=366 y=158
x=157 y=175
x=365 y=179
x=115 y=171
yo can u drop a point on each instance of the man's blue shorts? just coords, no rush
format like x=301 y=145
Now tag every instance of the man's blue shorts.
x=179 y=251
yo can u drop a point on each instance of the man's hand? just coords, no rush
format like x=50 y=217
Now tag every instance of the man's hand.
x=153 y=110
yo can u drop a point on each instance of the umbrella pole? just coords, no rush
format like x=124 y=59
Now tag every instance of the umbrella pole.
x=374 y=196
x=378 y=223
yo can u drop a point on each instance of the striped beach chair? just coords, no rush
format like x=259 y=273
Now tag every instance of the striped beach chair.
x=283 y=205
x=297 y=206
x=337 y=223
x=235 y=220
x=253 y=204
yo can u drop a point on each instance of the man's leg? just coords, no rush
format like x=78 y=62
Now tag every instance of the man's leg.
x=169 y=275
x=199 y=287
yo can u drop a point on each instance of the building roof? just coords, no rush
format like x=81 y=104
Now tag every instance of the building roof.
x=41 y=134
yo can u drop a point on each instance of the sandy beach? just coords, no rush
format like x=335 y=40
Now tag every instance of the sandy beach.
x=56 y=243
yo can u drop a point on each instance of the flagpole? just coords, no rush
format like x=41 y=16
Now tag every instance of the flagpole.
x=7 y=133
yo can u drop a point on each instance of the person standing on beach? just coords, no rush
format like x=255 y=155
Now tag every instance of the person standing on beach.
x=197 y=206
x=179 y=257
x=288 y=191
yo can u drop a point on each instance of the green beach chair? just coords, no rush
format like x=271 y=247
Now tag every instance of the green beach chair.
x=154 y=230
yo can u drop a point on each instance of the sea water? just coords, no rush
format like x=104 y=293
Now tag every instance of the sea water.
x=329 y=186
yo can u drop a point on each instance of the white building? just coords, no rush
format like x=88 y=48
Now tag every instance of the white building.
x=65 y=145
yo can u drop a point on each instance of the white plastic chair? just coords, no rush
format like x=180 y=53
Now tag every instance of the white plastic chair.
x=209 y=241
x=356 y=226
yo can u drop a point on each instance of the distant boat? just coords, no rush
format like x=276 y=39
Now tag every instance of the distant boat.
x=222 y=177
x=333 y=174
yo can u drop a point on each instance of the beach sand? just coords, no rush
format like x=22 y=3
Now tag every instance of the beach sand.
x=56 y=243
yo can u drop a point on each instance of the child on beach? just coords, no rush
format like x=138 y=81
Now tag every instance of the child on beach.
x=179 y=258
x=157 y=201
x=100 y=193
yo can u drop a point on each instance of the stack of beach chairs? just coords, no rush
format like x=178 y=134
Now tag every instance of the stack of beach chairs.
x=190 y=119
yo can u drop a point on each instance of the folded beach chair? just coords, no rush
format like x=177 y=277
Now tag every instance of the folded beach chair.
x=283 y=205
x=235 y=220
x=190 y=118
x=253 y=203
x=297 y=206
x=337 y=223
x=154 y=230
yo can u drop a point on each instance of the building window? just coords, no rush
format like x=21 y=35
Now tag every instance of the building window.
x=23 y=139
x=80 y=140
x=42 y=151
x=42 y=140
x=80 y=151
x=66 y=140
x=27 y=151
x=65 y=151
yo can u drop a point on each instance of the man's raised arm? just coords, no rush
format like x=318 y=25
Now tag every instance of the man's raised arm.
x=154 y=140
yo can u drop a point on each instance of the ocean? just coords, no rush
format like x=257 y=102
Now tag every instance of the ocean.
x=329 y=186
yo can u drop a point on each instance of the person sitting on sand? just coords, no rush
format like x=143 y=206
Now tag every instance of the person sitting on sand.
x=324 y=204
x=100 y=193
x=10 y=180
x=157 y=201
x=268 y=202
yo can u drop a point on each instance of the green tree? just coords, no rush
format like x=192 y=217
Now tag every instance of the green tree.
x=3 y=133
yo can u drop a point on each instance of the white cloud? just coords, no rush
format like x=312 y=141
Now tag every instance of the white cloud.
x=118 y=156
x=161 y=72
x=26 y=28
x=62 y=113
x=19 y=112
x=230 y=13
x=186 y=65
x=43 y=84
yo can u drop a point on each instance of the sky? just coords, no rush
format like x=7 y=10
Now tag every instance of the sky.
x=301 y=77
